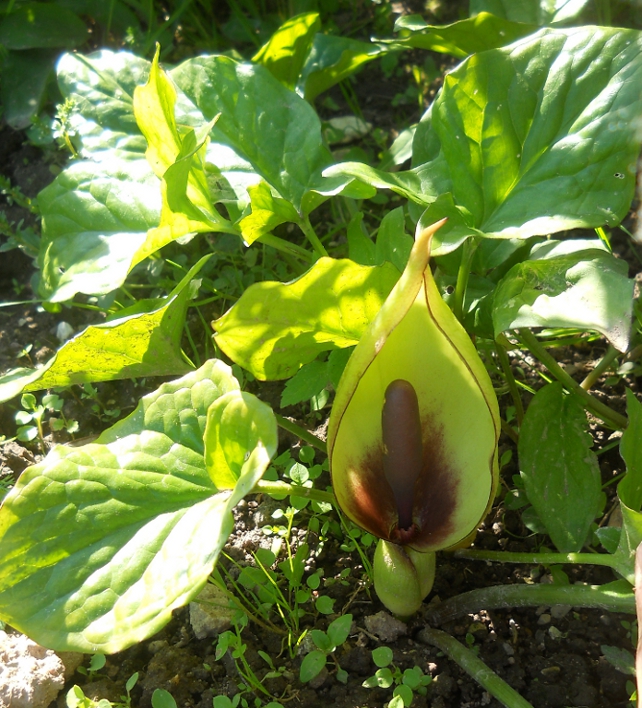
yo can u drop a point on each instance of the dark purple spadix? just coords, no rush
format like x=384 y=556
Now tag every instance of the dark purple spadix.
x=403 y=451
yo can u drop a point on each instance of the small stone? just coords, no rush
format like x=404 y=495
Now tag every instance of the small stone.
x=510 y=651
x=550 y=671
x=30 y=675
x=155 y=646
x=210 y=614
x=544 y=618
x=385 y=627
x=558 y=612
x=554 y=632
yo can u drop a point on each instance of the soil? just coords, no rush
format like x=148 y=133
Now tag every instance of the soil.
x=552 y=656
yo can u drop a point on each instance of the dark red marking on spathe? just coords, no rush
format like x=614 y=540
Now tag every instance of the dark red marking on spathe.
x=402 y=447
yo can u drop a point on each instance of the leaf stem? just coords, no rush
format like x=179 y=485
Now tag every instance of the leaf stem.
x=606 y=559
x=474 y=667
x=280 y=244
x=310 y=233
x=590 y=403
x=602 y=365
x=510 y=380
x=507 y=596
x=302 y=433
x=468 y=251
x=265 y=486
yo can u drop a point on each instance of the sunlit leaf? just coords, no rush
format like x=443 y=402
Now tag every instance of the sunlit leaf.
x=240 y=436
x=144 y=341
x=484 y=31
x=98 y=544
x=541 y=12
x=285 y=52
x=332 y=59
x=586 y=289
x=275 y=328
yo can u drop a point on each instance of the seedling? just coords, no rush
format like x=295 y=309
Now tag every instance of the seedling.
x=76 y=698
x=407 y=682
x=326 y=644
x=30 y=420
x=232 y=642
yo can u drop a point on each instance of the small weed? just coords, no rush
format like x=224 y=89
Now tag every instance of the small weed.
x=406 y=683
x=326 y=644
x=77 y=699
x=30 y=419
x=105 y=412
x=232 y=642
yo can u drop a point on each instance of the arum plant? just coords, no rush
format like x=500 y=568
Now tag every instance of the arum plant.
x=413 y=434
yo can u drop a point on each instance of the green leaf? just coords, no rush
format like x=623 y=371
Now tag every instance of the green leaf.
x=382 y=656
x=621 y=659
x=98 y=544
x=162 y=699
x=308 y=381
x=484 y=31
x=39 y=25
x=94 y=223
x=179 y=160
x=275 y=328
x=144 y=340
x=102 y=87
x=361 y=248
x=285 y=52
x=393 y=243
x=24 y=79
x=585 y=289
x=312 y=665
x=630 y=490
x=240 y=436
x=339 y=629
x=560 y=472
x=333 y=59
x=324 y=605
x=383 y=678
x=402 y=696
x=268 y=211
x=262 y=121
x=539 y=136
x=541 y=12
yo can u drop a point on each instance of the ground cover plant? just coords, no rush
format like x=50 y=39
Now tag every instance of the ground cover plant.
x=223 y=171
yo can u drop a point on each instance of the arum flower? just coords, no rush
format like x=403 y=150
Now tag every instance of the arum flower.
x=413 y=432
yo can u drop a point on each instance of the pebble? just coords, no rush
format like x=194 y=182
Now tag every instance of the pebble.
x=385 y=626
x=544 y=618
x=558 y=612
x=211 y=614
x=508 y=649
x=30 y=675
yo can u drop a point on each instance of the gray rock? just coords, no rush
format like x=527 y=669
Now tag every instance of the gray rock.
x=385 y=626
x=210 y=614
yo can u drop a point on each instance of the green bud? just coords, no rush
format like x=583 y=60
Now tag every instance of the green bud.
x=402 y=577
